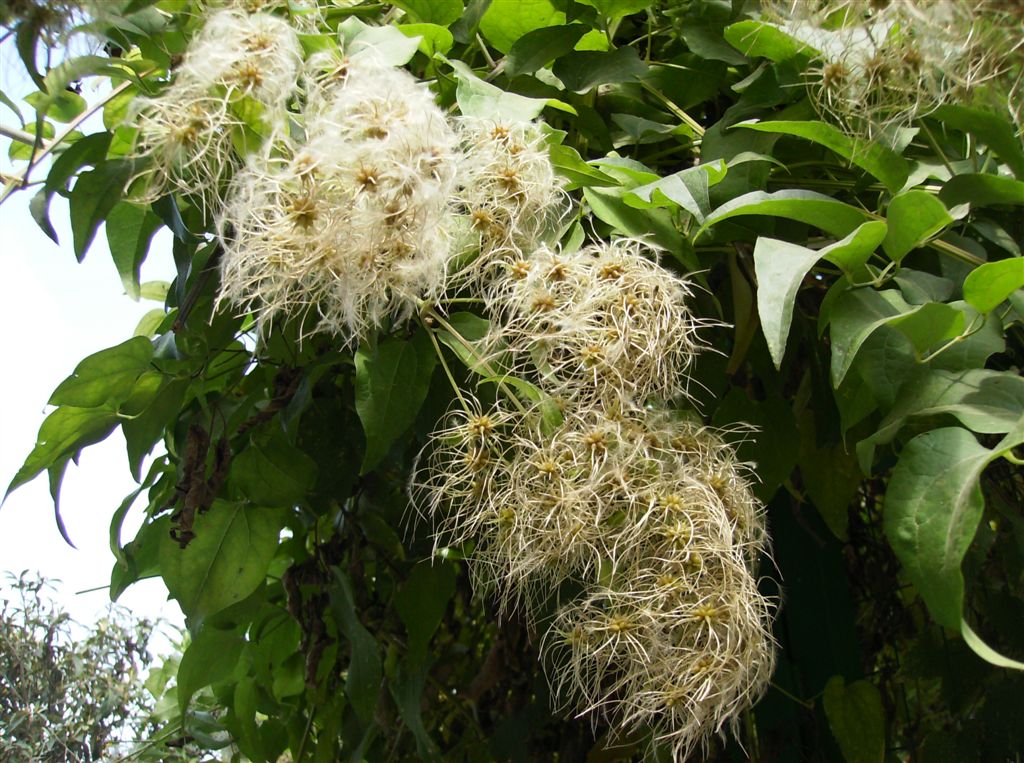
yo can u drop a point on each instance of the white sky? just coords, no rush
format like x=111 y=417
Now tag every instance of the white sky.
x=53 y=313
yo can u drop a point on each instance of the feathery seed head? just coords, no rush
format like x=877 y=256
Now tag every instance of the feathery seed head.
x=508 y=188
x=368 y=202
x=603 y=319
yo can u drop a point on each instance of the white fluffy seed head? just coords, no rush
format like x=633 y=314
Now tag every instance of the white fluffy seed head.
x=509 y=195
x=640 y=507
x=607 y=319
x=609 y=485
x=882 y=65
x=666 y=646
x=184 y=141
x=252 y=54
x=378 y=168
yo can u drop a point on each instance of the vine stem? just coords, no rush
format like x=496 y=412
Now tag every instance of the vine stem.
x=479 y=359
x=168 y=734
x=974 y=328
x=809 y=704
x=18 y=182
x=305 y=737
x=444 y=365
x=20 y=136
x=689 y=121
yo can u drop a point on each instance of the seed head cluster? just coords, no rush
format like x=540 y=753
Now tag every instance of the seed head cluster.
x=237 y=63
x=358 y=203
x=596 y=322
x=884 y=63
x=508 y=194
x=359 y=200
x=600 y=488
x=353 y=224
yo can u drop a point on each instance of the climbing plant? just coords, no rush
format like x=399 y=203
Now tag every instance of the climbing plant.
x=556 y=379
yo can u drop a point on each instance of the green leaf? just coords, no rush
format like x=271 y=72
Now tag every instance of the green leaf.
x=687 y=189
x=608 y=205
x=90 y=150
x=406 y=686
x=477 y=98
x=391 y=384
x=981 y=190
x=471 y=328
x=808 y=207
x=914 y=218
x=988 y=285
x=763 y=40
x=63 y=435
x=857 y=719
x=442 y=12
x=63 y=106
x=95 y=194
x=852 y=252
x=919 y=287
x=984 y=401
x=209 y=659
x=39 y=208
x=141 y=556
x=148 y=426
x=274 y=473
x=930 y=323
x=506 y=21
x=975 y=347
x=986 y=652
x=569 y=164
x=582 y=71
x=364 y=669
x=130 y=229
x=780 y=268
x=881 y=162
x=25 y=39
x=386 y=43
x=226 y=560
x=995 y=131
x=432 y=38
x=23 y=152
x=538 y=48
x=616 y=9
x=106 y=377
x=155 y=291
x=422 y=602
x=705 y=40
x=932 y=510
x=856 y=315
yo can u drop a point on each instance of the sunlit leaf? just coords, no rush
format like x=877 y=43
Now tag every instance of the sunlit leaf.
x=809 y=207
x=506 y=21
x=914 y=218
x=875 y=158
x=988 y=285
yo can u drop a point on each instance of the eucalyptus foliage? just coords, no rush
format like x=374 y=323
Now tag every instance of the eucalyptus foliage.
x=71 y=693
x=833 y=190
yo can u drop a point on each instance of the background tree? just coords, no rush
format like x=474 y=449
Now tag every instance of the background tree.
x=840 y=182
x=72 y=693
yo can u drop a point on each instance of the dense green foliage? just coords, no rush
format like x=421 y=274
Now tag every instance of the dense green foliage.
x=859 y=275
